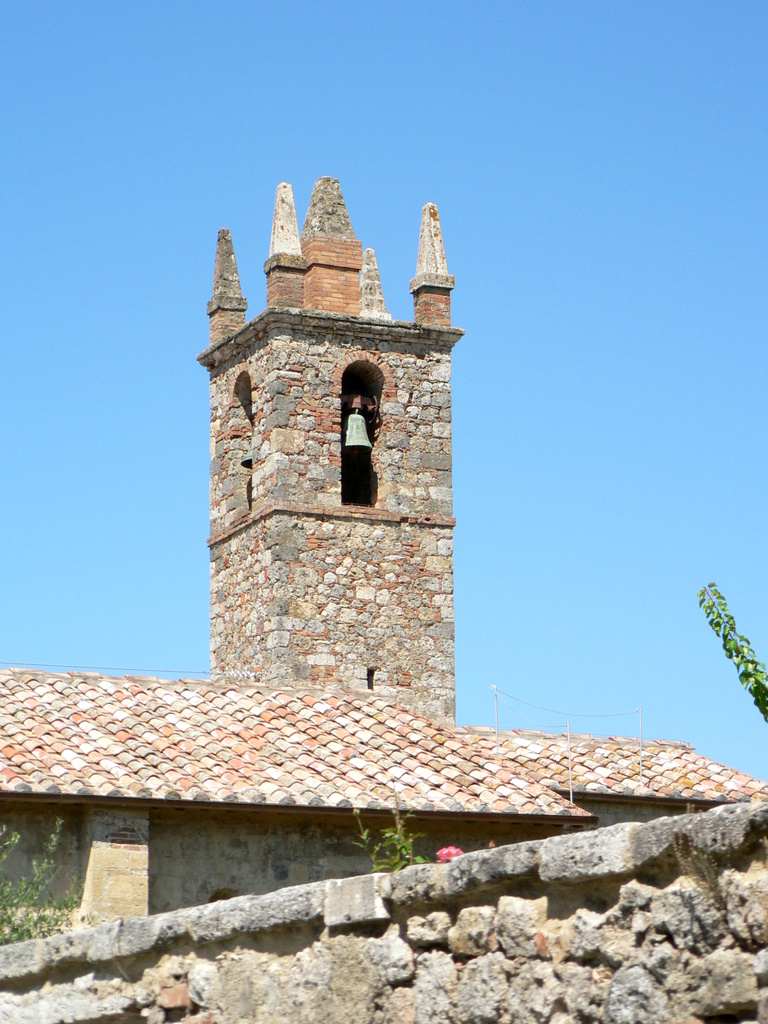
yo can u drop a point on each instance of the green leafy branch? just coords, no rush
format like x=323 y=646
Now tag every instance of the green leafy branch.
x=752 y=673
x=28 y=908
x=390 y=849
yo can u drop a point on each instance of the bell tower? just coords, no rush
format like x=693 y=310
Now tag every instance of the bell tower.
x=330 y=491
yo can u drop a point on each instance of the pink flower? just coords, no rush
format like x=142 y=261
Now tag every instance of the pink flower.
x=448 y=853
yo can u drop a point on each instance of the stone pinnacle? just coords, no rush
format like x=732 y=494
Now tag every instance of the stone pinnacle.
x=226 y=292
x=431 y=268
x=371 y=295
x=327 y=212
x=284 y=240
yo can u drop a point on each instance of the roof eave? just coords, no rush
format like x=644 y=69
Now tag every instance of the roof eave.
x=95 y=800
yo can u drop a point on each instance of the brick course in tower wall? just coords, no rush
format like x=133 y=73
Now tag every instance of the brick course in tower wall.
x=332 y=280
x=224 y=322
x=285 y=287
x=303 y=588
x=432 y=306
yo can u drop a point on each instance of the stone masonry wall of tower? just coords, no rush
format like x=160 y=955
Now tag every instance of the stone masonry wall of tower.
x=307 y=590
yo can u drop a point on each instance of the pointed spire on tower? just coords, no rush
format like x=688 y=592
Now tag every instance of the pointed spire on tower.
x=284 y=240
x=285 y=266
x=332 y=252
x=227 y=306
x=371 y=295
x=432 y=283
x=327 y=212
x=430 y=259
x=226 y=280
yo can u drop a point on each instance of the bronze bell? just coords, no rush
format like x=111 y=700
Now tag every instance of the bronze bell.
x=247 y=459
x=357 y=432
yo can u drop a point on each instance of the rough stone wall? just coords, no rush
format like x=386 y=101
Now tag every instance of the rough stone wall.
x=193 y=859
x=303 y=599
x=633 y=924
x=303 y=588
x=34 y=823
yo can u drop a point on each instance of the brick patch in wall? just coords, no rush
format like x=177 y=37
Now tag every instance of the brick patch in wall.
x=432 y=306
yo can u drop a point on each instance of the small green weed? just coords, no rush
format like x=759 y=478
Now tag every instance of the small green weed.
x=390 y=849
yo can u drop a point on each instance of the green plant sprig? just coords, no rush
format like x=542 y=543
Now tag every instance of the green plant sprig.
x=752 y=673
x=390 y=849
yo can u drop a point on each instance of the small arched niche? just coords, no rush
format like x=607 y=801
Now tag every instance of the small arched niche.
x=244 y=427
x=361 y=386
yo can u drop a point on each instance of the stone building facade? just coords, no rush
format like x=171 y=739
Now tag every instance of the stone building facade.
x=331 y=555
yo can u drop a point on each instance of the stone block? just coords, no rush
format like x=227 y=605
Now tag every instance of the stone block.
x=597 y=854
x=586 y=934
x=392 y=958
x=761 y=967
x=253 y=914
x=518 y=921
x=722 y=983
x=689 y=915
x=21 y=959
x=534 y=991
x=633 y=895
x=746 y=900
x=400 y=1007
x=354 y=900
x=431 y=930
x=716 y=832
x=635 y=998
x=482 y=990
x=484 y=867
x=435 y=988
x=473 y=932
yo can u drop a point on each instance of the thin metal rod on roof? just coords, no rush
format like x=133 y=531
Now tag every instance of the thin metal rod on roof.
x=570 y=766
x=496 y=715
x=640 y=730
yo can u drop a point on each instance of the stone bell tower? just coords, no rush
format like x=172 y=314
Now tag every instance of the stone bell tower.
x=330 y=490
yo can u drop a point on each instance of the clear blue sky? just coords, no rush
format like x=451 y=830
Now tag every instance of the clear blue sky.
x=600 y=171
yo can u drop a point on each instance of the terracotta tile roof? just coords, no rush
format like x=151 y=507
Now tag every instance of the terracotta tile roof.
x=611 y=765
x=144 y=737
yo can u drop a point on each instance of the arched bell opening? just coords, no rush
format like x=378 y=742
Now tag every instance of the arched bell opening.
x=361 y=387
x=243 y=433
